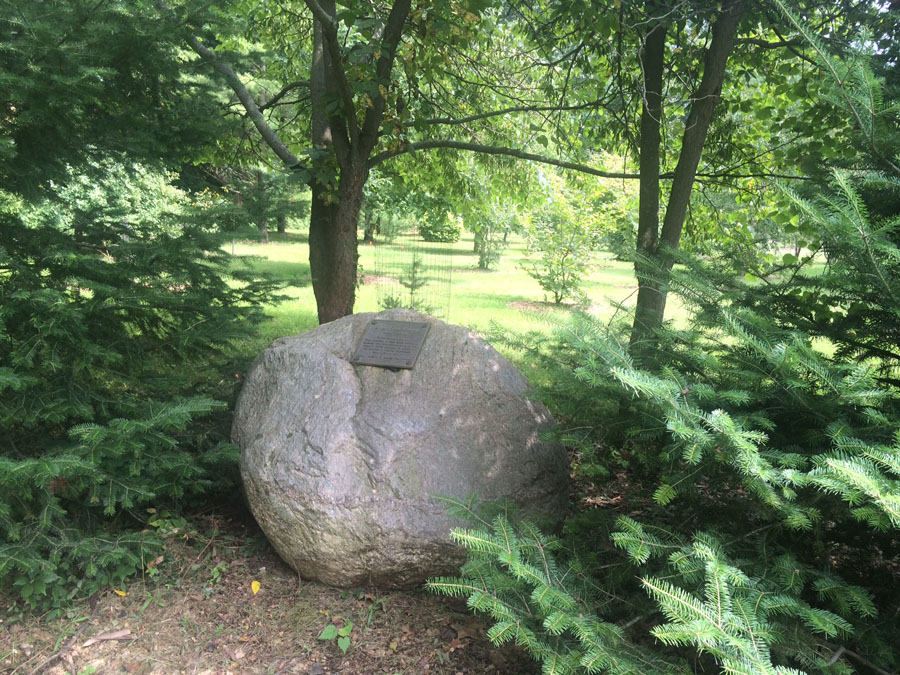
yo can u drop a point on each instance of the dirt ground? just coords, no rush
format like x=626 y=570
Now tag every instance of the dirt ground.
x=195 y=611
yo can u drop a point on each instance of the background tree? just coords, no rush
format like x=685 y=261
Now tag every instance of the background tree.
x=562 y=237
x=406 y=79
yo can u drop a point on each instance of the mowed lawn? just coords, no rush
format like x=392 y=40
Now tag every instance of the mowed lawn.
x=506 y=295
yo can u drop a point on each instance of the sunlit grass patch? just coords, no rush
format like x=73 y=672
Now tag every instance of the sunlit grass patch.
x=506 y=296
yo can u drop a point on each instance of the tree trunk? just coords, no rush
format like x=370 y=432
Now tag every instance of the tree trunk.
x=261 y=207
x=325 y=236
x=281 y=223
x=649 y=291
x=370 y=227
x=655 y=250
x=333 y=244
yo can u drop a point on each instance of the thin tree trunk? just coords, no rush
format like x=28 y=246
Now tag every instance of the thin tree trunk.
x=263 y=222
x=655 y=257
x=370 y=227
x=648 y=206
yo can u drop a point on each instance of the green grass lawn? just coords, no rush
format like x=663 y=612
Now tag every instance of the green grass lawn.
x=505 y=295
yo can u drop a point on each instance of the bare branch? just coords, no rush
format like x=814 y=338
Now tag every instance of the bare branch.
x=285 y=90
x=506 y=111
x=253 y=112
x=497 y=150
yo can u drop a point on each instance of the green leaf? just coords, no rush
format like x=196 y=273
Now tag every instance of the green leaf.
x=329 y=632
x=664 y=494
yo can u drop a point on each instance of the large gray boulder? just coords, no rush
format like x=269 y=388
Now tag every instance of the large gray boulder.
x=339 y=461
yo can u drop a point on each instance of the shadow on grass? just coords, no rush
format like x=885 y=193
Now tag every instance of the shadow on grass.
x=288 y=238
x=436 y=249
x=292 y=273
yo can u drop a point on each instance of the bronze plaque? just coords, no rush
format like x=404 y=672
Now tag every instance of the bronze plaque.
x=391 y=344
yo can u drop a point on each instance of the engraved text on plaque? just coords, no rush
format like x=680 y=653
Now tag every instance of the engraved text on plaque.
x=391 y=344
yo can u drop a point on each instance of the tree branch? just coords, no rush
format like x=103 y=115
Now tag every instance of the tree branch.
x=253 y=112
x=697 y=124
x=765 y=44
x=321 y=15
x=505 y=111
x=496 y=150
x=411 y=148
x=329 y=31
x=393 y=31
x=285 y=90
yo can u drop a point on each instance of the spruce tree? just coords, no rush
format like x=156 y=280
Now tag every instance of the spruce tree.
x=762 y=516
x=118 y=307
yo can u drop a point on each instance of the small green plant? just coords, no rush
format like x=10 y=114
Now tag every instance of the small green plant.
x=560 y=250
x=215 y=574
x=374 y=604
x=341 y=636
x=490 y=240
x=413 y=280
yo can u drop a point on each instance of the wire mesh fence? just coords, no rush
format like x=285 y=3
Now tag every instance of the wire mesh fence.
x=411 y=272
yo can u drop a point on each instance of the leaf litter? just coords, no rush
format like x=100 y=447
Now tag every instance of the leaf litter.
x=225 y=603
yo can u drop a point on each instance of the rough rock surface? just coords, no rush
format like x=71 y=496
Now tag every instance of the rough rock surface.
x=339 y=461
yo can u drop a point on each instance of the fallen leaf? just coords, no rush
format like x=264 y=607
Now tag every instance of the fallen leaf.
x=154 y=563
x=118 y=592
x=254 y=586
x=124 y=634
x=471 y=631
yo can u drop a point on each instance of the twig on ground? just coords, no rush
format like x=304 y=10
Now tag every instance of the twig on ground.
x=65 y=650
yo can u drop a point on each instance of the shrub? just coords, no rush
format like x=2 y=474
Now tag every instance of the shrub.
x=117 y=305
x=490 y=240
x=754 y=461
x=439 y=227
x=560 y=251
x=763 y=473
